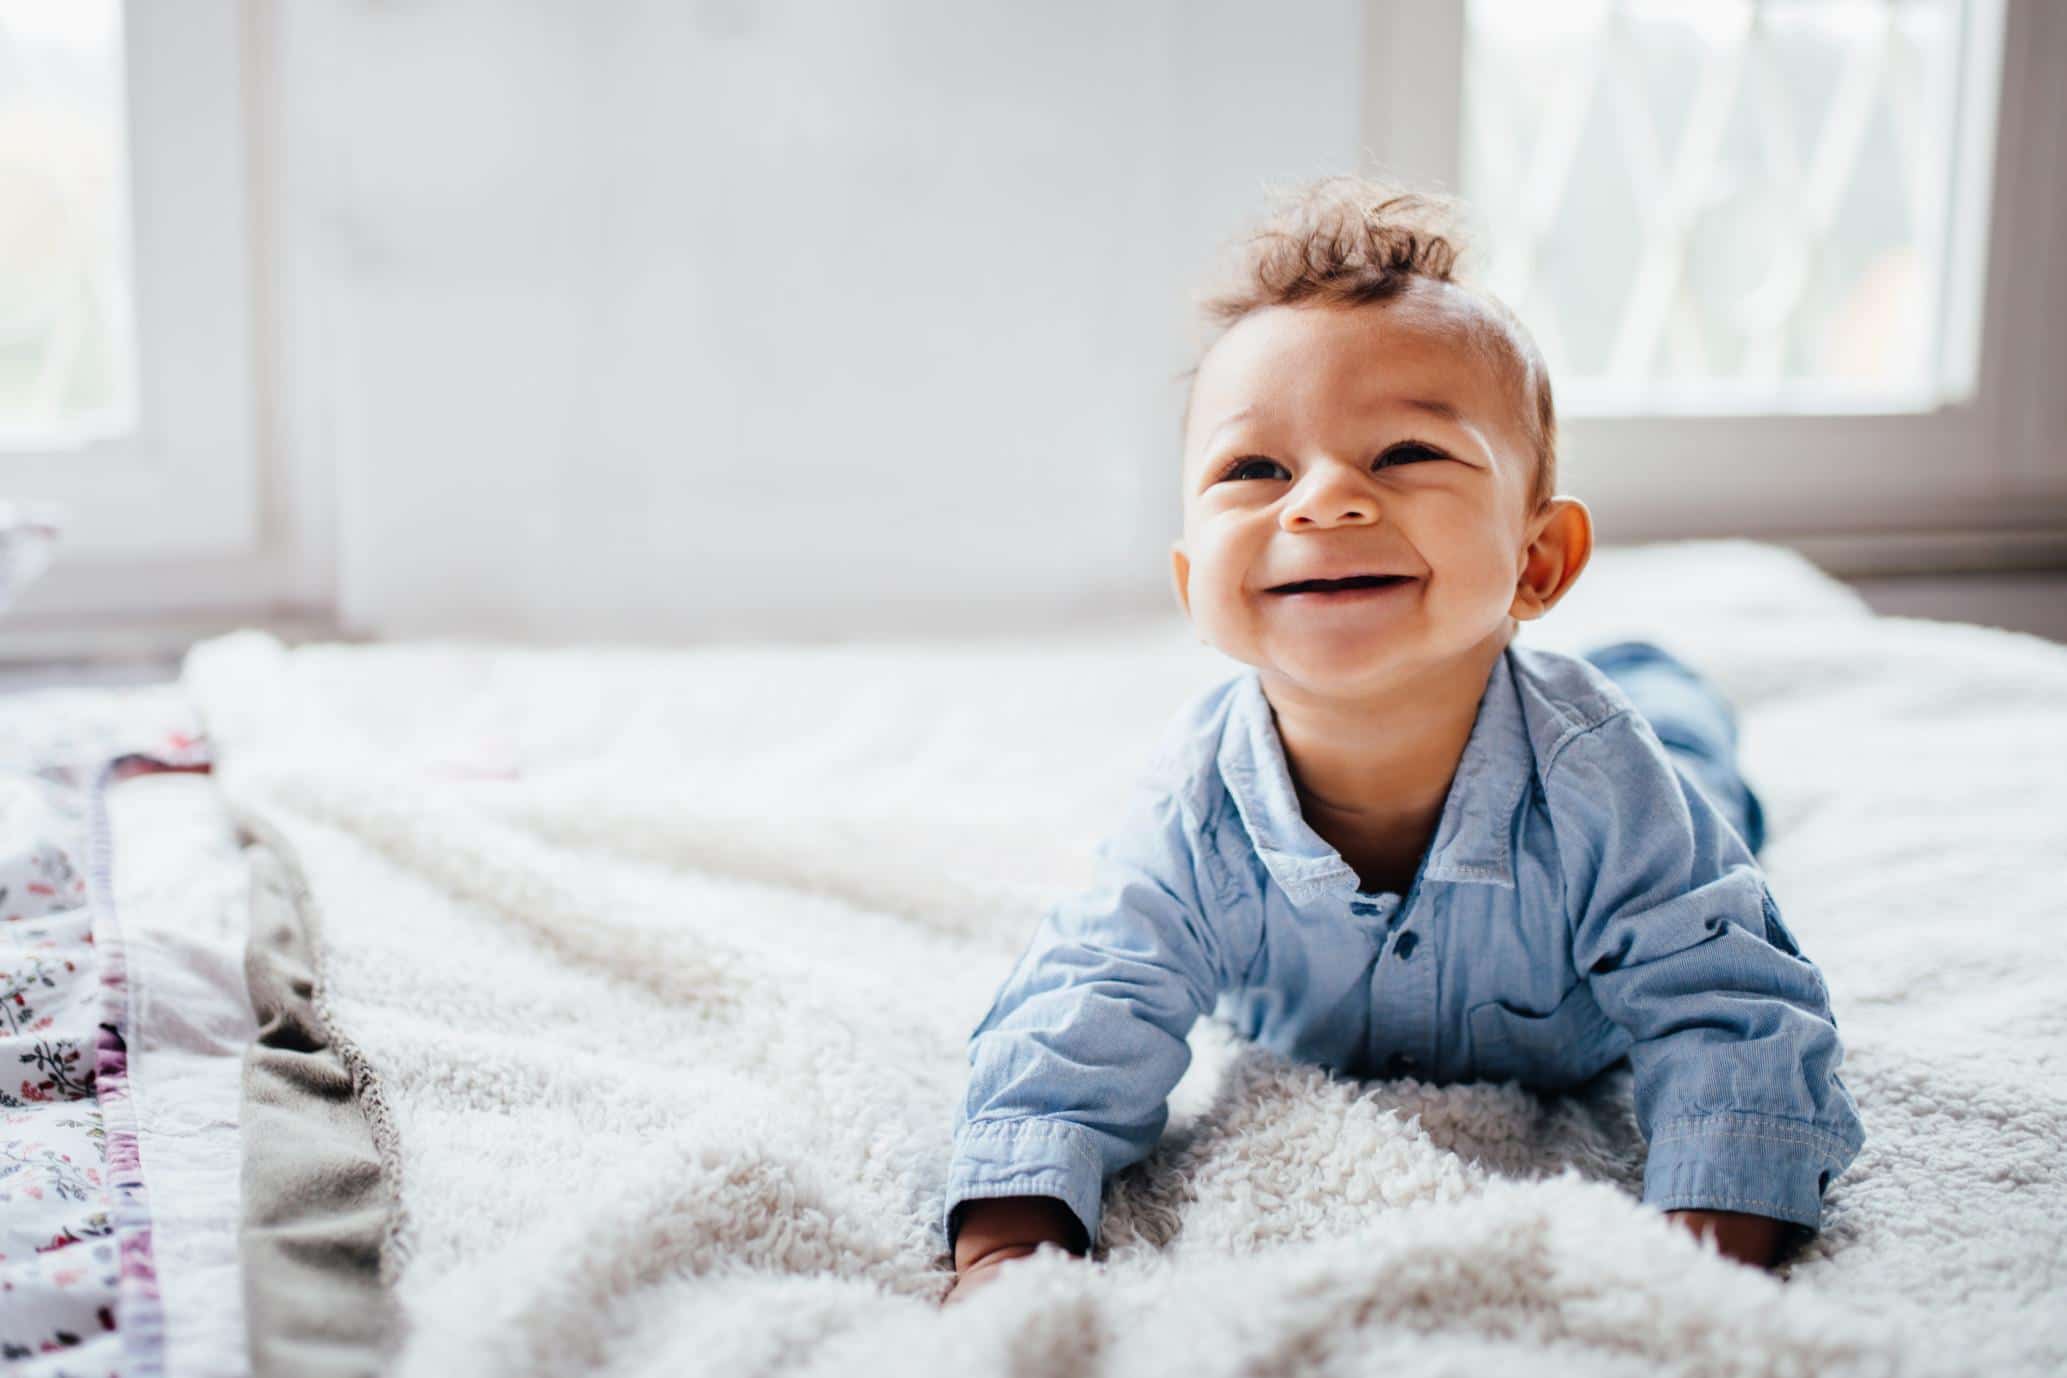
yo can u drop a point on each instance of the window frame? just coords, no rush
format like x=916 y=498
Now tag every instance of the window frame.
x=184 y=514
x=1867 y=491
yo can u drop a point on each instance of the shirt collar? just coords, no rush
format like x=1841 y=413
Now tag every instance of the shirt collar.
x=1473 y=839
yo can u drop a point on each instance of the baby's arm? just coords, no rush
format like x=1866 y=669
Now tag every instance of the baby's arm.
x=1071 y=1069
x=1736 y=1051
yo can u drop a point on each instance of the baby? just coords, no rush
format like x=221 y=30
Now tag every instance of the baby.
x=1399 y=843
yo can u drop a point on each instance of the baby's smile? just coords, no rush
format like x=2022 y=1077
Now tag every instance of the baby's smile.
x=1361 y=592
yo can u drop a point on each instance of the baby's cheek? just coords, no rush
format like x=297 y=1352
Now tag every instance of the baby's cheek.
x=1219 y=618
x=1484 y=571
x=1229 y=622
x=1216 y=591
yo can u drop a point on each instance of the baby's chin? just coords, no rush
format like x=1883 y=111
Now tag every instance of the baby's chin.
x=1363 y=683
x=1331 y=665
x=1338 y=666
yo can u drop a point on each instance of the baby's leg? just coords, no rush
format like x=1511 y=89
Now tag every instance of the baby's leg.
x=1694 y=721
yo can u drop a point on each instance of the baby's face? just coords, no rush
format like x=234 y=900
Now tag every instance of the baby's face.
x=1327 y=442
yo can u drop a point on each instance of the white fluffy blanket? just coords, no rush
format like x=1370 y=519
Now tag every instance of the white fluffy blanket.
x=663 y=962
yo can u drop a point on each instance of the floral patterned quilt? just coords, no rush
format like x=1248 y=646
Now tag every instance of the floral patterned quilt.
x=77 y=1291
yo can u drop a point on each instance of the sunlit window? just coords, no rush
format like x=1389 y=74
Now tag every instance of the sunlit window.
x=1727 y=205
x=67 y=327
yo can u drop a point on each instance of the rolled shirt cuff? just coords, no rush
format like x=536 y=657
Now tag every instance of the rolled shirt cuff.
x=1754 y=1164
x=1025 y=1157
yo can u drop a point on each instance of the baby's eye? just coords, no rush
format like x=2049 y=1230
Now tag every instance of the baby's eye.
x=1408 y=453
x=1242 y=468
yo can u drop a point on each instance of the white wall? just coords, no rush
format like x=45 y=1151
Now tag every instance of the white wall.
x=770 y=318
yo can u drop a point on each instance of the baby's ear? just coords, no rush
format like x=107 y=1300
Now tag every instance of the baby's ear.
x=1560 y=542
x=1180 y=575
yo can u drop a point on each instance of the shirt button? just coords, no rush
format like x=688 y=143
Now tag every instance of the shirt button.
x=1399 y=1064
x=1405 y=946
x=1362 y=907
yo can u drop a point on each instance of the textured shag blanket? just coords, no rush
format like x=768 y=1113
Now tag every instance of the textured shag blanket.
x=660 y=966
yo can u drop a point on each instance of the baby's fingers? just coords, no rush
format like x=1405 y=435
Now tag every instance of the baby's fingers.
x=970 y=1281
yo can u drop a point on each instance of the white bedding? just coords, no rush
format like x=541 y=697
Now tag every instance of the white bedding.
x=180 y=886
x=664 y=962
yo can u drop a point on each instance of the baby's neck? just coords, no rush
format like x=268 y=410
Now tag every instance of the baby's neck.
x=1373 y=774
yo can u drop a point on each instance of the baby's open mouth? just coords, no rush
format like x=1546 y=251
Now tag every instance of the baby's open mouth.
x=1358 y=581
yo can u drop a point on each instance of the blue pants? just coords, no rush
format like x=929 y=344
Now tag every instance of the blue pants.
x=1694 y=721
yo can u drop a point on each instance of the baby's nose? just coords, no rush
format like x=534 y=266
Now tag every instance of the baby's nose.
x=1332 y=501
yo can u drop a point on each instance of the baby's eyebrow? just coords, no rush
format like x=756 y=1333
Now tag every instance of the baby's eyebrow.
x=1228 y=420
x=1433 y=406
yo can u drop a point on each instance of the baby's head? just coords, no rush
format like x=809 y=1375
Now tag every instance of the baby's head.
x=1364 y=413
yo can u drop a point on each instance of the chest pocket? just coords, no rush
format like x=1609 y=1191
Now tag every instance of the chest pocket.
x=1560 y=1049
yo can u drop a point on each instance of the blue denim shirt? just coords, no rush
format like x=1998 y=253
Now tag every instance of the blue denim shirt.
x=1580 y=902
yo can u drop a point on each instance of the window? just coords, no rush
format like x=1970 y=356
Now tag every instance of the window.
x=67 y=318
x=1729 y=206
x=1793 y=263
x=126 y=366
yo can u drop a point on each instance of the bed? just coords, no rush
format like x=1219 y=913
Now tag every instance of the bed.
x=445 y=1008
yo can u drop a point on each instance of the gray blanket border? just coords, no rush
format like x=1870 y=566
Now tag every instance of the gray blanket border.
x=323 y=1234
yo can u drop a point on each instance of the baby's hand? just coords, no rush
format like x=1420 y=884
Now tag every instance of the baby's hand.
x=997 y=1231
x=976 y=1274
x=1752 y=1239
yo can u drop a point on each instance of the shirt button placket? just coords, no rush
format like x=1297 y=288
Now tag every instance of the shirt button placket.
x=1402 y=989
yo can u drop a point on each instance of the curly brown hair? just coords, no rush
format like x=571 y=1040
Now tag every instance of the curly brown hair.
x=1348 y=241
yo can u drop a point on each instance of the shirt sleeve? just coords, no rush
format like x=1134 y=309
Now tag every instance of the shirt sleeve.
x=1072 y=1067
x=1736 y=1053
